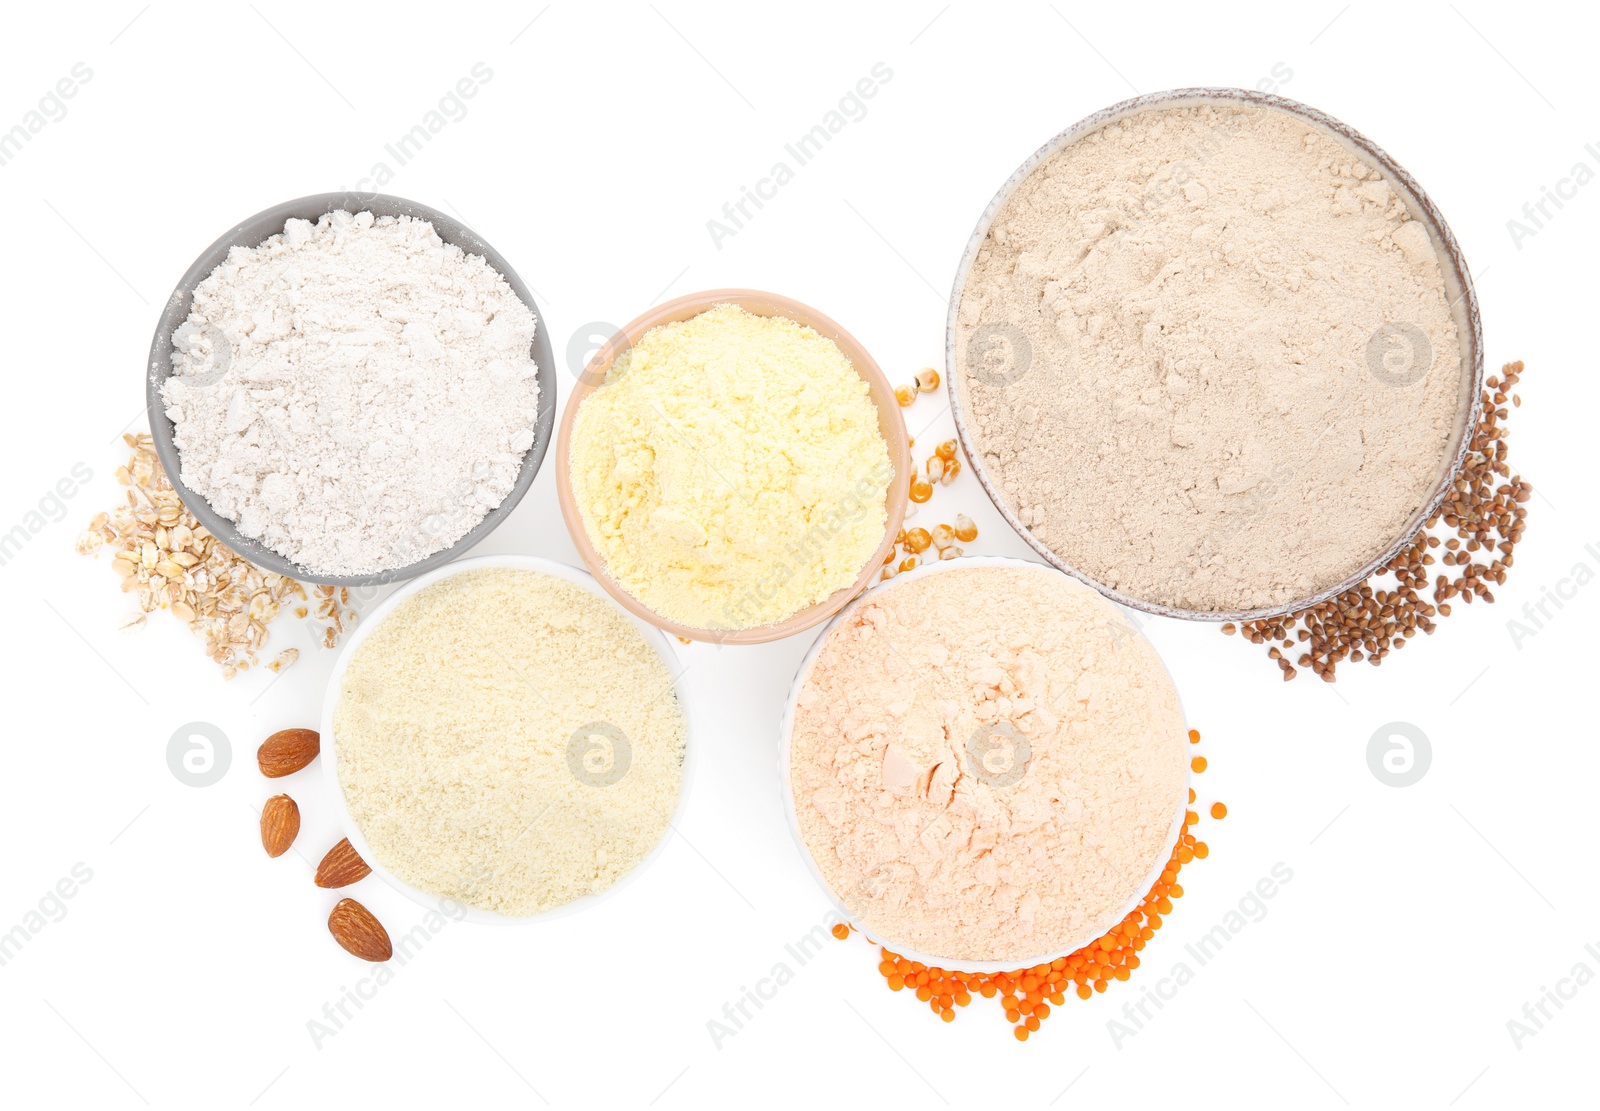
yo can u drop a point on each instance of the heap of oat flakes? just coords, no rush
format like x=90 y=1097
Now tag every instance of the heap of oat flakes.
x=169 y=561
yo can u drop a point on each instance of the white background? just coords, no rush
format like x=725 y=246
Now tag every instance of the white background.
x=1418 y=921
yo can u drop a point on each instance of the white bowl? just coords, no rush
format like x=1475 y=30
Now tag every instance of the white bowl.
x=329 y=753
x=787 y=734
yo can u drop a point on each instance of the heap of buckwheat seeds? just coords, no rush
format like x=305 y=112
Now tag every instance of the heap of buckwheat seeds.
x=1368 y=622
x=168 y=560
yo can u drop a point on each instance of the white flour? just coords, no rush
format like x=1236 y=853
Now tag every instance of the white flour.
x=356 y=394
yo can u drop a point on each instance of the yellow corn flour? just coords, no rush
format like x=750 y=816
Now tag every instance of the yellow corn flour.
x=731 y=470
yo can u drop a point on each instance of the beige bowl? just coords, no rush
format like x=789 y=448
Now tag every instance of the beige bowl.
x=890 y=423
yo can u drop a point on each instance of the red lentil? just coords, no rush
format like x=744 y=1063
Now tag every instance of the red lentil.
x=1023 y=992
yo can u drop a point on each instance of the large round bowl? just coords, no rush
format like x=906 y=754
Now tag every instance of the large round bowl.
x=330 y=754
x=1458 y=286
x=252 y=233
x=890 y=423
x=786 y=737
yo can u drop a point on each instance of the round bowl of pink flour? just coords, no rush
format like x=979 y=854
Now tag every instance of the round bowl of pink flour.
x=351 y=389
x=985 y=764
x=1215 y=354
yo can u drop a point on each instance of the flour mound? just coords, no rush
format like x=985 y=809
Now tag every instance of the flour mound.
x=731 y=471
x=510 y=740
x=987 y=763
x=1227 y=373
x=355 y=394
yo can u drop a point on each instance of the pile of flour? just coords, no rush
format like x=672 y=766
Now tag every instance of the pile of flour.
x=987 y=763
x=355 y=394
x=1209 y=358
x=509 y=740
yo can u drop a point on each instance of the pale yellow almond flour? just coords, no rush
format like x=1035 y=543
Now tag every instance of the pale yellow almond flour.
x=508 y=739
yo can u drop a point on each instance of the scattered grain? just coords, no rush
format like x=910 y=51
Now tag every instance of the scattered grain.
x=1371 y=620
x=167 y=560
x=1028 y=996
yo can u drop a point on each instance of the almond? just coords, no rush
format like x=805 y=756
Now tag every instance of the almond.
x=341 y=867
x=280 y=824
x=287 y=751
x=358 y=932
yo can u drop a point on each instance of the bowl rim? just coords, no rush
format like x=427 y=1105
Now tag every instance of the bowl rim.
x=329 y=749
x=786 y=782
x=891 y=424
x=253 y=231
x=1458 y=284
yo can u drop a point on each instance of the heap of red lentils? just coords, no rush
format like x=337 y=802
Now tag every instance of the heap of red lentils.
x=1368 y=622
x=1028 y=994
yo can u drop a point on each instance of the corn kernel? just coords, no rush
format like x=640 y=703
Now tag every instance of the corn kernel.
x=943 y=536
x=946 y=450
x=966 y=531
x=935 y=468
x=927 y=380
x=952 y=467
x=910 y=563
x=918 y=539
x=952 y=552
x=905 y=395
x=921 y=489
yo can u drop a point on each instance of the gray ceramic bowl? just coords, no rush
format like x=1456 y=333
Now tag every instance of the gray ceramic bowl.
x=1457 y=283
x=253 y=232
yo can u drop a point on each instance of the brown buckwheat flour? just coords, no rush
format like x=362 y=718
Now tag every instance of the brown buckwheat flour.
x=1209 y=358
x=987 y=763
